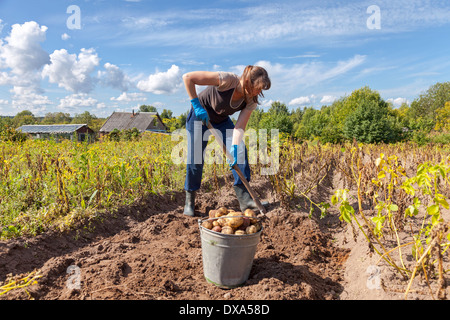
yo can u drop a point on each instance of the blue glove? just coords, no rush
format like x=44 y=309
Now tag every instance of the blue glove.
x=234 y=153
x=199 y=111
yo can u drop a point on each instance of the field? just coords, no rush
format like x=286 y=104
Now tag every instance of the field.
x=344 y=222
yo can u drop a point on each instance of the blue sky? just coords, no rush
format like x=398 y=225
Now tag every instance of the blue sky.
x=127 y=53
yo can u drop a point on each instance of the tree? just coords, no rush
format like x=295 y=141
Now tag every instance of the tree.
x=278 y=117
x=370 y=123
x=174 y=123
x=311 y=124
x=23 y=118
x=255 y=118
x=343 y=107
x=297 y=116
x=56 y=118
x=84 y=118
x=147 y=108
x=401 y=114
x=443 y=118
x=5 y=122
x=423 y=109
x=278 y=108
x=166 y=114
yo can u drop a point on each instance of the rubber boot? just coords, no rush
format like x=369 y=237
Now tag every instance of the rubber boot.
x=190 y=203
x=245 y=199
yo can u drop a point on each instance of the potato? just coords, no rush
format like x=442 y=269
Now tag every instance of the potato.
x=222 y=222
x=227 y=230
x=239 y=232
x=251 y=229
x=246 y=222
x=212 y=213
x=207 y=224
x=217 y=229
x=219 y=214
x=235 y=221
x=215 y=223
x=251 y=214
x=222 y=211
x=257 y=226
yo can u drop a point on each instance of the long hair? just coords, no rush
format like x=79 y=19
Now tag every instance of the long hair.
x=255 y=77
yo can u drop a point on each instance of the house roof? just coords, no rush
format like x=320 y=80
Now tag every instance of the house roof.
x=55 y=128
x=128 y=120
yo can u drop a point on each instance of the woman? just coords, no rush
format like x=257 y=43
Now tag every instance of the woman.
x=226 y=94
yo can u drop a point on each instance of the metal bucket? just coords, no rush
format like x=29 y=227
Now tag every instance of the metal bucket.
x=227 y=258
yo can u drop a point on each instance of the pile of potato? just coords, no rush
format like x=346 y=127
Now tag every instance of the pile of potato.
x=228 y=221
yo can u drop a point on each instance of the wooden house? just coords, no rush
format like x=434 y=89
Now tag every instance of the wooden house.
x=80 y=132
x=143 y=121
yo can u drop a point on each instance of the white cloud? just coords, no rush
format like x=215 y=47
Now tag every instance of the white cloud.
x=77 y=101
x=398 y=101
x=65 y=36
x=22 y=52
x=328 y=99
x=300 y=101
x=292 y=77
x=285 y=22
x=70 y=71
x=22 y=57
x=162 y=82
x=101 y=105
x=27 y=98
x=266 y=103
x=114 y=77
x=128 y=97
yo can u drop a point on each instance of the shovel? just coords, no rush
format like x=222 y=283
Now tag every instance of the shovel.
x=236 y=168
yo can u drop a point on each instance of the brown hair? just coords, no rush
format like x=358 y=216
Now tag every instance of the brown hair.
x=255 y=78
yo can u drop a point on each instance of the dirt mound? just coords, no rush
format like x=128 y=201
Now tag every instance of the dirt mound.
x=152 y=251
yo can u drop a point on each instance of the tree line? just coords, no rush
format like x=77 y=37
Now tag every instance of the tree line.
x=366 y=117
x=8 y=124
x=363 y=115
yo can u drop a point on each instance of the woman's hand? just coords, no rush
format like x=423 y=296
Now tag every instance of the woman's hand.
x=199 y=111
x=234 y=153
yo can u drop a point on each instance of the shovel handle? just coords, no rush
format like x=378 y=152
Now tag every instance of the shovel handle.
x=236 y=168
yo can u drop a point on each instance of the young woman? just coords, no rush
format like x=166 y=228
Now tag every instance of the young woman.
x=225 y=94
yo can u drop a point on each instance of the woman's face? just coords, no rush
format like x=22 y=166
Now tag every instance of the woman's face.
x=254 y=92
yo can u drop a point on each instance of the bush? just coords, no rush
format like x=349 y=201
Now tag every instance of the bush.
x=124 y=135
x=420 y=138
x=443 y=138
x=370 y=123
x=114 y=135
x=11 y=134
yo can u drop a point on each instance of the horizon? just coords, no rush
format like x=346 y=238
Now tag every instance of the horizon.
x=99 y=56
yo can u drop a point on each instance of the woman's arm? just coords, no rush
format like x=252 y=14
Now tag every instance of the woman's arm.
x=201 y=78
x=241 y=123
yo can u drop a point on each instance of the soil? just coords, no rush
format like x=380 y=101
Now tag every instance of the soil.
x=150 y=250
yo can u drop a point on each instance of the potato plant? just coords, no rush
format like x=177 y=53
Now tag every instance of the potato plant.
x=397 y=197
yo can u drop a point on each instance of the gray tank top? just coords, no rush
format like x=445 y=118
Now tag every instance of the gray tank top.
x=217 y=99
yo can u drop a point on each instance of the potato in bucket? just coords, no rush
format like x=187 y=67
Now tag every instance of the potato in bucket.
x=229 y=244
